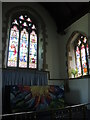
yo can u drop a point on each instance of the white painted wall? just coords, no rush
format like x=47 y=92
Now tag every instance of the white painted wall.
x=78 y=91
x=55 y=82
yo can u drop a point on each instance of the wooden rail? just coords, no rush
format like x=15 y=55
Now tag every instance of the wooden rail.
x=68 y=113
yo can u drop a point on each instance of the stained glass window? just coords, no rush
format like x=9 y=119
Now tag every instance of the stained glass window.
x=78 y=61
x=22 y=50
x=87 y=51
x=82 y=54
x=13 y=47
x=33 y=50
x=83 y=58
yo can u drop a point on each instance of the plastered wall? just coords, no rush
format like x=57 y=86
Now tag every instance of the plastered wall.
x=79 y=88
x=80 y=25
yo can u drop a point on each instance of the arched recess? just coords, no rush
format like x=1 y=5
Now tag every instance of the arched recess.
x=42 y=35
x=77 y=46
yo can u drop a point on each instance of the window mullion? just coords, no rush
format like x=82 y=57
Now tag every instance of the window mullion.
x=75 y=56
x=18 y=49
x=8 y=48
x=37 y=51
x=28 y=49
x=86 y=58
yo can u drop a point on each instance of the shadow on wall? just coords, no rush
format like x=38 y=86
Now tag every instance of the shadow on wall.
x=73 y=97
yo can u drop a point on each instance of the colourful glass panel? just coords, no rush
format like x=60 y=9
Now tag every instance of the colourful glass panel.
x=84 y=40
x=88 y=57
x=29 y=20
x=87 y=50
x=81 y=36
x=29 y=25
x=21 y=17
x=79 y=42
x=24 y=24
x=78 y=61
x=25 y=15
x=23 y=48
x=15 y=22
x=13 y=47
x=20 y=21
x=83 y=56
x=33 y=50
x=33 y=27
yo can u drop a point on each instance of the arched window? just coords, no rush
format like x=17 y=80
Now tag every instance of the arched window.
x=77 y=55
x=82 y=53
x=23 y=42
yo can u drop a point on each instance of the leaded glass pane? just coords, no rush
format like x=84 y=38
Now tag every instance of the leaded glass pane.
x=79 y=42
x=88 y=57
x=83 y=58
x=23 y=54
x=13 y=47
x=84 y=40
x=87 y=50
x=33 y=50
x=21 y=17
x=24 y=24
x=33 y=27
x=20 y=38
x=78 y=61
x=29 y=20
x=15 y=22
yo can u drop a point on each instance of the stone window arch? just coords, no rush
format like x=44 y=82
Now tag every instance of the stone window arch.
x=77 y=55
x=41 y=32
